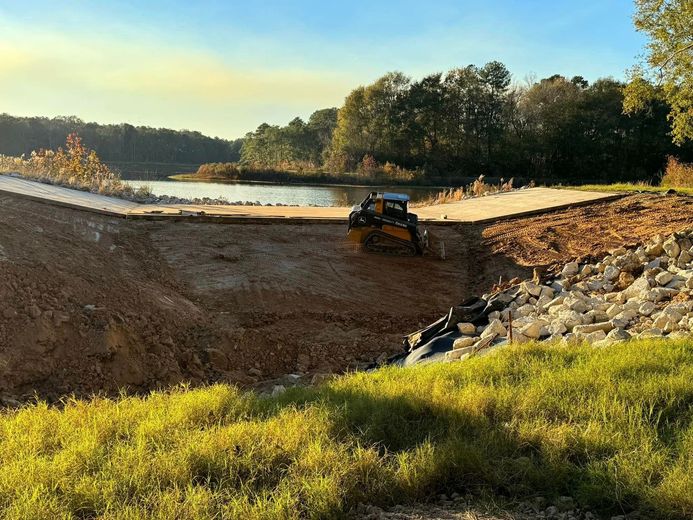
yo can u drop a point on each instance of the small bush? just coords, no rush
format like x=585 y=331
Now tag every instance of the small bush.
x=677 y=174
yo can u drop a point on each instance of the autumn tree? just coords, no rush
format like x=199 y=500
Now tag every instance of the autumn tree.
x=668 y=68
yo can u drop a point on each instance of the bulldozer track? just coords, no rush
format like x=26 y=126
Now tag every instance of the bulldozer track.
x=382 y=243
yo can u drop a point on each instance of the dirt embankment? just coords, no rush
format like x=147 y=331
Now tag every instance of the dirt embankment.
x=92 y=304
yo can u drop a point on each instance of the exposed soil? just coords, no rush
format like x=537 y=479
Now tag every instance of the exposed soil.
x=593 y=230
x=92 y=304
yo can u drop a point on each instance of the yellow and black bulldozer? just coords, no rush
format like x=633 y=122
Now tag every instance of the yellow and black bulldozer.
x=383 y=224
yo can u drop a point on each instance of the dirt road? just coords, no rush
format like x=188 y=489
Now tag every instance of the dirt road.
x=91 y=303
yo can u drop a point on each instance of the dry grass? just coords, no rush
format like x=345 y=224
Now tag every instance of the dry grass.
x=678 y=174
x=612 y=428
x=74 y=166
x=478 y=188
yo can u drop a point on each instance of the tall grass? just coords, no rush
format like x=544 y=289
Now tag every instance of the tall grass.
x=478 y=188
x=677 y=174
x=613 y=428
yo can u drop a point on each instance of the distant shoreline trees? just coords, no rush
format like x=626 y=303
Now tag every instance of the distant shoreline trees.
x=115 y=143
x=473 y=121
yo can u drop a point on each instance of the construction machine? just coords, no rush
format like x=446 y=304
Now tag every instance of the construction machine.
x=383 y=225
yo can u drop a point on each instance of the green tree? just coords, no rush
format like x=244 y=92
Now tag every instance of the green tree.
x=669 y=62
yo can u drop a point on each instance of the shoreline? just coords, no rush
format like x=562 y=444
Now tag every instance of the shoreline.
x=183 y=177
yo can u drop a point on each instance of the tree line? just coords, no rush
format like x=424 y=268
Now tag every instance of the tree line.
x=474 y=120
x=115 y=143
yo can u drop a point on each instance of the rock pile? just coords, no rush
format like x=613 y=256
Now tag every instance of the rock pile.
x=631 y=293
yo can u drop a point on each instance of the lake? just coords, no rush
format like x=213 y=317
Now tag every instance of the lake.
x=294 y=194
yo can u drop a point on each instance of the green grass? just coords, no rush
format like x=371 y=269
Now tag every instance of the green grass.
x=627 y=188
x=612 y=427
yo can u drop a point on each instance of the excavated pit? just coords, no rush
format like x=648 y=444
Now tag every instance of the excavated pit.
x=93 y=304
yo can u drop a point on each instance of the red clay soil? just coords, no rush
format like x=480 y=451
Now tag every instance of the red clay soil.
x=561 y=236
x=92 y=304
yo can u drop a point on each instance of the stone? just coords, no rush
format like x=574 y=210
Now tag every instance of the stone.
x=494 y=327
x=520 y=338
x=546 y=292
x=533 y=330
x=654 y=248
x=586 y=270
x=531 y=288
x=466 y=328
x=557 y=327
x=684 y=259
x=625 y=279
x=593 y=337
x=614 y=310
x=618 y=334
x=464 y=342
x=588 y=329
x=646 y=308
x=570 y=319
x=595 y=285
x=664 y=277
x=611 y=272
x=660 y=293
x=524 y=310
x=570 y=269
x=278 y=390
x=651 y=333
x=639 y=285
x=671 y=248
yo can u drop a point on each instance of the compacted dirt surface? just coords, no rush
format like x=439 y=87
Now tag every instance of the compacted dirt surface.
x=94 y=304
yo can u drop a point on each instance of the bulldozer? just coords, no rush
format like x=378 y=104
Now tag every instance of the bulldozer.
x=382 y=224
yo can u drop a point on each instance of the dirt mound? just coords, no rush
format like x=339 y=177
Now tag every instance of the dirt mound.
x=592 y=230
x=93 y=304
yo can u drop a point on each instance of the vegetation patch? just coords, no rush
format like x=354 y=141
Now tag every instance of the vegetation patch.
x=612 y=428
x=74 y=166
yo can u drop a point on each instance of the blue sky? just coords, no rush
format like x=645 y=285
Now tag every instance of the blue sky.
x=224 y=67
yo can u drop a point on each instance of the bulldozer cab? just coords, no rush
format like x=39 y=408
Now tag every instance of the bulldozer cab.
x=391 y=204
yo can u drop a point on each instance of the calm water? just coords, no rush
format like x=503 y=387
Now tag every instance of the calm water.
x=274 y=193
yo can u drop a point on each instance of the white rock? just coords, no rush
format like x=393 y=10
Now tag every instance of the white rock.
x=496 y=328
x=530 y=288
x=588 y=329
x=639 y=285
x=546 y=292
x=671 y=248
x=593 y=337
x=570 y=319
x=646 y=308
x=525 y=310
x=464 y=342
x=466 y=328
x=533 y=330
x=618 y=334
x=557 y=327
x=570 y=269
x=651 y=333
x=614 y=310
x=664 y=277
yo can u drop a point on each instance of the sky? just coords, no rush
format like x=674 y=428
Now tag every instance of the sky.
x=225 y=67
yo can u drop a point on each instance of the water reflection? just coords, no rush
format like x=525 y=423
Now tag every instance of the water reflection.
x=273 y=193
